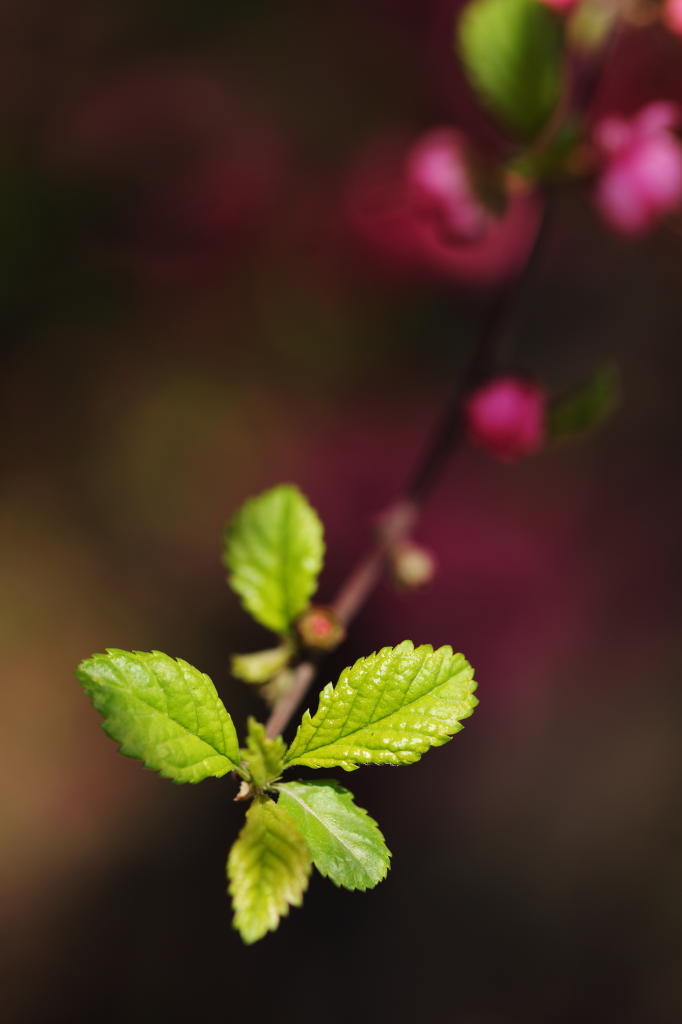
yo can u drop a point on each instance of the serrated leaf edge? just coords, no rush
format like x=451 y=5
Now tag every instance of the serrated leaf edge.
x=404 y=647
x=281 y=911
x=283 y=629
x=90 y=690
x=282 y=787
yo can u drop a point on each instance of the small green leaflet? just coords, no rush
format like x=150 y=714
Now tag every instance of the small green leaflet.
x=345 y=843
x=263 y=757
x=586 y=407
x=512 y=51
x=163 y=711
x=261 y=666
x=268 y=870
x=273 y=550
x=388 y=708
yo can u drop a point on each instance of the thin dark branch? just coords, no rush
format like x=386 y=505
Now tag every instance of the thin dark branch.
x=398 y=521
x=497 y=328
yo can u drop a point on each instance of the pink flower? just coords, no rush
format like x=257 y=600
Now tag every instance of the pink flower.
x=440 y=185
x=387 y=227
x=506 y=417
x=672 y=16
x=641 y=181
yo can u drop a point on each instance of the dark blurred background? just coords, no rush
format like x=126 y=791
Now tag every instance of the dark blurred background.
x=190 y=314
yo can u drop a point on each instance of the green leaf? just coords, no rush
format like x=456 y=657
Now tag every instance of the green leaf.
x=268 y=869
x=512 y=54
x=388 y=708
x=264 y=758
x=163 y=711
x=273 y=550
x=261 y=666
x=586 y=407
x=345 y=843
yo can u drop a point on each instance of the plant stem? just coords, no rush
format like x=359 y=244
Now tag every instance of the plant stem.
x=398 y=521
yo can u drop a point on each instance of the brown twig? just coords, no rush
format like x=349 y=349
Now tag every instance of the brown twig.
x=497 y=327
x=399 y=519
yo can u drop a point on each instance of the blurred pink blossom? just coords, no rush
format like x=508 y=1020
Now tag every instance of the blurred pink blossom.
x=158 y=115
x=641 y=180
x=381 y=216
x=440 y=185
x=506 y=417
x=200 y=167
x=672 y=16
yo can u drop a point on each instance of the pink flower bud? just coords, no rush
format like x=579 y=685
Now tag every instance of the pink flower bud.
x=320 y=629
x=641 y=181
x=440 y=185
x=506 y=417
x=672 y=16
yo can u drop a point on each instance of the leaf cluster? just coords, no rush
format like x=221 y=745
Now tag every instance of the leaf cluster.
x=388 y=708
x=585 y=407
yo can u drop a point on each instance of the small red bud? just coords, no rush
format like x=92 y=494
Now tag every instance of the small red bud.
x=320 y=629
x=507 y=417
x=412 y=565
